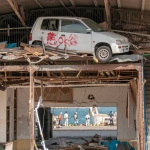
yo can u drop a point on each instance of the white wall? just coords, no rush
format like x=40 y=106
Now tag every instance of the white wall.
x=10 y=102
x=2 y=116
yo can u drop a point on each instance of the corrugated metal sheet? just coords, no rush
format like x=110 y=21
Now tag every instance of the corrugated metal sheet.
x=127 y=58
x=31 y=4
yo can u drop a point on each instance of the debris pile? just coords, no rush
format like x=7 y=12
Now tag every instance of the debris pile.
x=87 y=143
x=78 y=144
x=25 y=51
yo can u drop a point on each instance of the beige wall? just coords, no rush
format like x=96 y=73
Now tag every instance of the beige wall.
x=104 y=96
x=10 y=102
x=23 y=113
x=126 y=129
x=2 y=117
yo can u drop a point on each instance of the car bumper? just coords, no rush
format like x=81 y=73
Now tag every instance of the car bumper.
x=120 y=48
x=30 y=42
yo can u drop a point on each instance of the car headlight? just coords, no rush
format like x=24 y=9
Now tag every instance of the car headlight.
x=118 y=42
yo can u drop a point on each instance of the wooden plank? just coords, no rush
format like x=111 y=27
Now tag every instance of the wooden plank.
x=34 y=49
x=16 y=5
x=31 y=108
x=59 y=50
x=22 y=13
x=61 y=54
x=17 y=12
x=108 y=15
x=73 y=3
x=119 y=3
x=143 y=5
x=48 y=74
x=23 y=44
x=51 y=53
x=43 y=45
x=38 y=3
x=62 y=3
x=68 y=52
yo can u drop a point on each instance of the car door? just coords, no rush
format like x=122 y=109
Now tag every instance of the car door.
x=73 y=36
x=49 y=31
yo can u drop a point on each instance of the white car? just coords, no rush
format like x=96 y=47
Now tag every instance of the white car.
x=81 y=35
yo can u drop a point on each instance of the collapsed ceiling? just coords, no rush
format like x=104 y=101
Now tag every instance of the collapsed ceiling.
x=69 y=75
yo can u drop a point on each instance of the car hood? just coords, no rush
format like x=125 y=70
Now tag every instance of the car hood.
x=113 y=35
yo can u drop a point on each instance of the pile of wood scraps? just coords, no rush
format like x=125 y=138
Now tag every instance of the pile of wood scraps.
x=93 y=144
x=25 y=51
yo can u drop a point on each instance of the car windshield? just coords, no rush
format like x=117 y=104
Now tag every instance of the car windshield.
x=93 y=25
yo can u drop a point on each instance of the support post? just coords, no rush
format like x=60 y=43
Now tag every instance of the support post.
x=107 y=10
x=142 y=8
x=42 y=90
x=141 y=110
x=31 y=109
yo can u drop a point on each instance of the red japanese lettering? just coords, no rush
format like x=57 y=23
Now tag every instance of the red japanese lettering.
x=51 y=38
x=72 y=40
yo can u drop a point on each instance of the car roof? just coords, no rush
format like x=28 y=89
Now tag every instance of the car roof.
x=63 y=17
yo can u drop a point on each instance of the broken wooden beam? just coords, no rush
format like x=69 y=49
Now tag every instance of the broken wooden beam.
x=23 y=44
x=51 y=53
x=59 y=50
x=17 y=12
x=33 y=50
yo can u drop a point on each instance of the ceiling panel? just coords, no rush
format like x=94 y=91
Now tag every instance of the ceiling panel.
x=31 y=4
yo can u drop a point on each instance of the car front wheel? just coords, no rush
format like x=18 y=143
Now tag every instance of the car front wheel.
x=103 y=54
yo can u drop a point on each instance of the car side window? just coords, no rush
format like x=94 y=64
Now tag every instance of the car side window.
x=50 y=24
x=72 y=26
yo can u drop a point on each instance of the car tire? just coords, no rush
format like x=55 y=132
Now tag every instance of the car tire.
x=37 y=43
x=103 y=54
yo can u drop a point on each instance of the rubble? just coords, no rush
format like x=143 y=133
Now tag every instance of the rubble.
x=76 y=143
x=25 y=51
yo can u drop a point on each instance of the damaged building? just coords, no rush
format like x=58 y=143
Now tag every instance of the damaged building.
x=37 y=76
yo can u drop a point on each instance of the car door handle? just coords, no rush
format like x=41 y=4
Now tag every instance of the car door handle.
x=42 y=32
x=63 y=35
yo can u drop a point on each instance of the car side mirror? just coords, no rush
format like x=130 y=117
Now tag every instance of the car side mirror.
x=88 y=30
